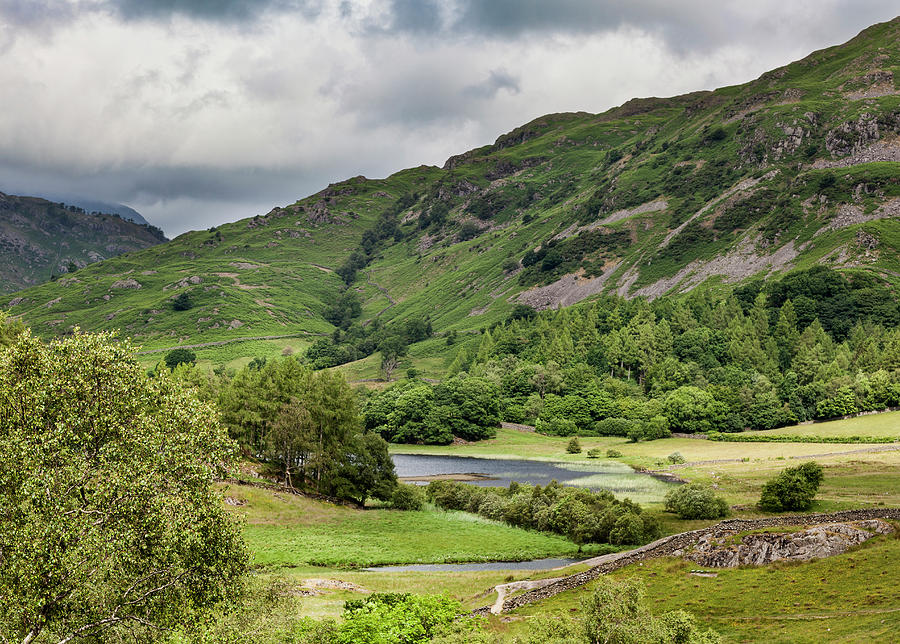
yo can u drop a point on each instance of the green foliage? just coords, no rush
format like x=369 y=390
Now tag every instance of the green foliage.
x=396 y=618
x=616 y=612
x=594 y=452
x=182 y=302
x=408 y=497
x=793 y=489
x=108 y=519
x=613 y=453
x=675 y=458
x=176 y=357
x=417 y=412
x=573 y=447
x=579 y=514
x=695 y=501
x=307 y=423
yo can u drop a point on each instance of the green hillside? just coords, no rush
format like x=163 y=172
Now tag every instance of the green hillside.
x=797 y=168
x=40 y=239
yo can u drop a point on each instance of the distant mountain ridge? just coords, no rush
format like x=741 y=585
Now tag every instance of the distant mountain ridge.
x=41 y=239
x=92 y=206
x=658 y=196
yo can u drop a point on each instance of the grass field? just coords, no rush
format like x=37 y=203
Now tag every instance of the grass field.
x=284 y=530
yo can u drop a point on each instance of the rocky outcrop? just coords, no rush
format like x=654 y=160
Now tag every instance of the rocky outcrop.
x=728 y=549
x=677 y=544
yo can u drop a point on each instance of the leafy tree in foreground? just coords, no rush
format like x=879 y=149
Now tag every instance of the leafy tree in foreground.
x=793 y=489
x=617 y=613
x=108 y=519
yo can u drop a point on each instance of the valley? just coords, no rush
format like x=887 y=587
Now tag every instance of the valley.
x=553 y=391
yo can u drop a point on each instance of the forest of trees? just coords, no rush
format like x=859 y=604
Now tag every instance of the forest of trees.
x=815 y=344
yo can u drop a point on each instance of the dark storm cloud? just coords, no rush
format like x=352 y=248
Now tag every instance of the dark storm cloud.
x=46 y=13
x=685 y=25
x=229 y=11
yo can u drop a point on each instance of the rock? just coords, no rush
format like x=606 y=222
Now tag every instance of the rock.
x=725 y=549
x=126 y=283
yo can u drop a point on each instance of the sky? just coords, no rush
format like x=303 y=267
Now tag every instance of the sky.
x=199 y=112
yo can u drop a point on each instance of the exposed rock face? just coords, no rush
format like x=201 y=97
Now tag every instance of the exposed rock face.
x=126 y=283
x=716 y=550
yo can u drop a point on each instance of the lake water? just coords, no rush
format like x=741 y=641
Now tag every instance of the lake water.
x=491 y=472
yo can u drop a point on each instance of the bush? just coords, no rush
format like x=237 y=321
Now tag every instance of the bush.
x=408 y=497
x=695 y=501
x=793 y=489
x=595 y=452
x=614 y=426
x=176 y=357
x=574 y=447
x=556 y=427
x=613 y=453
x=182 y=302
x=675 y=458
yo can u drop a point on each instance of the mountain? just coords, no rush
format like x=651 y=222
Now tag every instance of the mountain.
x=92 y=205
x=40 y=239
x=799 y=167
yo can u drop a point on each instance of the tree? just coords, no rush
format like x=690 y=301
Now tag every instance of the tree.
x=695 y=501
x=793 y=489
x=108 y=518
x=307 y=422
x=468 y=406
x=179 y=356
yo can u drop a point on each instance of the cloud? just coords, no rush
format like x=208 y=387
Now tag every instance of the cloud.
x=226 y=11
x=197 y=112
x=497 y=79
x=686 y=25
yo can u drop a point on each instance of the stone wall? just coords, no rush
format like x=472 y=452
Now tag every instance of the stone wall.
x=666 y=546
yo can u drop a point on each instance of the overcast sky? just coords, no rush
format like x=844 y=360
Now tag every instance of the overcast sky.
x=198 y=112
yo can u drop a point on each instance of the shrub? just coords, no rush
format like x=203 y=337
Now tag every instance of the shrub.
x=396 y=617
x=556 y=427
x=695 y=501
x=408 y=497
x=675 y=458
x=793 y=489
x=594 y=452
x=182 y=302
x=614 y=426
x=613 y=453
x=574 y=447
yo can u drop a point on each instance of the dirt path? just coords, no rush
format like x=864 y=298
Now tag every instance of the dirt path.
x=506 y=589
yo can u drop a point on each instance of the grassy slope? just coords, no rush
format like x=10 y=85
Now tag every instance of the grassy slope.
x=39 y=238
x=271 y=275
x=847 y=598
